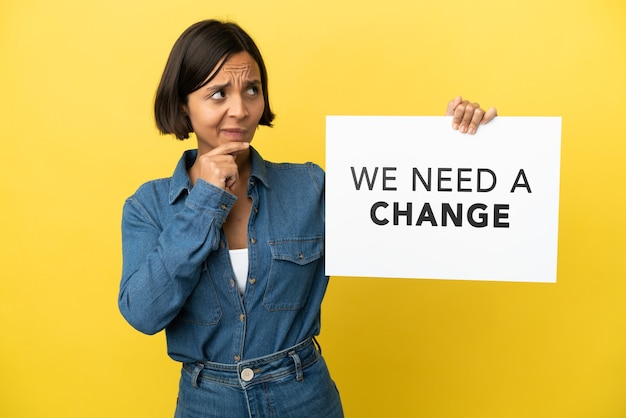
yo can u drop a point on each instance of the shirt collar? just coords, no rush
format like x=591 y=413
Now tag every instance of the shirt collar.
x=181 y=182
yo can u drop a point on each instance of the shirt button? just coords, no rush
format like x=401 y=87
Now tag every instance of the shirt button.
x=223 y=206
x=237 y=358
x=256 y=209
x=232 y=283
x=252 y=240
x=247 y=375
x=222 y=244
x=252 y=280
x=242 y=317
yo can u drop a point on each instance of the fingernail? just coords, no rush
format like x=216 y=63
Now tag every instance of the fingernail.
x=455 y=126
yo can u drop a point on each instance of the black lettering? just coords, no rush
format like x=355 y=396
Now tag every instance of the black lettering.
x=462 y=179
x=498 y=216
x=516 y=184
x=375 y=218
x=493 y=180
x=447 y=212
x=426 y=215
x=386 y=177
x=484 y=218
x=364 y=173
x=426 y=184
x=397 y=213
x=441 y=179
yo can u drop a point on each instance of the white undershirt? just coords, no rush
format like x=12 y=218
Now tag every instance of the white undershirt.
x=239 y=260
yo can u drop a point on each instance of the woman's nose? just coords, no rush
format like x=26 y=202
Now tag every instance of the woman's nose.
x=238 y=107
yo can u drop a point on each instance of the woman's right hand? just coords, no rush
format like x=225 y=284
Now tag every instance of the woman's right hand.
x=468 y=116
x=219 y=166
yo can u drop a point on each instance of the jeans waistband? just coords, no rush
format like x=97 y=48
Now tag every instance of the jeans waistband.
x=258 y=370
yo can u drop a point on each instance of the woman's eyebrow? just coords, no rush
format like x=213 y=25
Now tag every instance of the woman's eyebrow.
x=217 y=87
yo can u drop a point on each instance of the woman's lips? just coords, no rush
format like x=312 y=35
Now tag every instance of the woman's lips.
x=235 y=134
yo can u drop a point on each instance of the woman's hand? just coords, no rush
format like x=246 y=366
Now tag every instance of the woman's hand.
x=466 y=116
x=219 y=166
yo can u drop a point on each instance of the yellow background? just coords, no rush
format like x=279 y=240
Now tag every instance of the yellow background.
x=77 y=80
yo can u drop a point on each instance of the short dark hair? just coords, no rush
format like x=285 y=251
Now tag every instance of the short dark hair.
x=194 y=56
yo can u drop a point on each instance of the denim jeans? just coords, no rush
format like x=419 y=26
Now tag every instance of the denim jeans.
x=290 y=383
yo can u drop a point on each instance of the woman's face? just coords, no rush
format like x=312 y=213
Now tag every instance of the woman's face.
x=230 y=106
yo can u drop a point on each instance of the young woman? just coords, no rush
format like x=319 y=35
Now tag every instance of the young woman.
x=227 y=255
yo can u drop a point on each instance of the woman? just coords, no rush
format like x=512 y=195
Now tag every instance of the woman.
x=227 y=254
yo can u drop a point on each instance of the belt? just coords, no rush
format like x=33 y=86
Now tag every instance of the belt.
x=290 y=361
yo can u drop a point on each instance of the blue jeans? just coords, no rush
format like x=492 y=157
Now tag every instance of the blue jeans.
x=290 y=383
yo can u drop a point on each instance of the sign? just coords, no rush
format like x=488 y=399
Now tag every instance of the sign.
x=409 y=197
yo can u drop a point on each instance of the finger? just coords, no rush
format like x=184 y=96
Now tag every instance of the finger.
x=468 y=114
x=459 y=111
x=452 y=104
x=226 y=177
x=232 y=148
x=230 y=181
x=489 y=115
x=475 y=121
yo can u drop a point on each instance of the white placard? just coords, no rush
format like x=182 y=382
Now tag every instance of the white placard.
x=409 y=197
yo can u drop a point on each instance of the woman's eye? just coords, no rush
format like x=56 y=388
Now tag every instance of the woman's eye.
x=253 y=91
x=218 y=95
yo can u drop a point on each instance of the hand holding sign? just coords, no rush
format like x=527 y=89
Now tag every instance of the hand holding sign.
x=467 y=116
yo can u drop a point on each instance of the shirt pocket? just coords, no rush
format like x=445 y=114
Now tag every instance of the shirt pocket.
x=202 y=307
x=292 y=271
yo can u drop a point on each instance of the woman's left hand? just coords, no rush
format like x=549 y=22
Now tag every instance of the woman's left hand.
x=467 y=116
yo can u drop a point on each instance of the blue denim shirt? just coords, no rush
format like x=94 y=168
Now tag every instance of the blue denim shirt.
x=177 y=273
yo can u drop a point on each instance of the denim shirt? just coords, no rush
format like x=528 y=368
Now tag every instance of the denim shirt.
x=177 y=273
